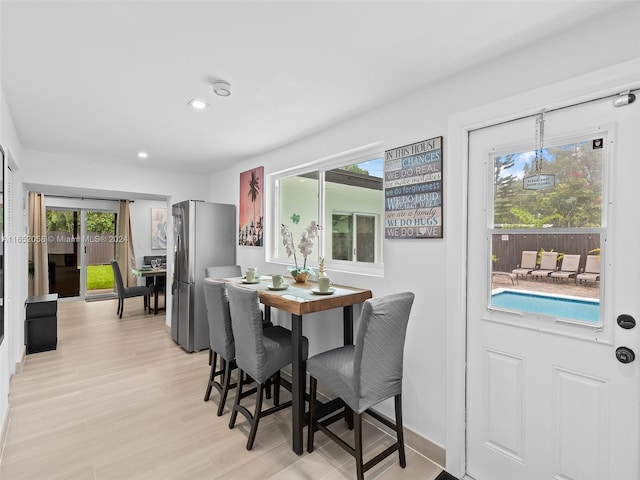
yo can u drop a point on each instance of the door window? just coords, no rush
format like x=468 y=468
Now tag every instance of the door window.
x=545 y=228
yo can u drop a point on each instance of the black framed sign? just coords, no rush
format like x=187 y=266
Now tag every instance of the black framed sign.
x=413 y=190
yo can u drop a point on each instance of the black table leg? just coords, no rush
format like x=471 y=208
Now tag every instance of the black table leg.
x=347 y=326
x=155 y=295
x=298 y=381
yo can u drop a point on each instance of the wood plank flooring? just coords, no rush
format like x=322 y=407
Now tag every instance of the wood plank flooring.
x=119 y=399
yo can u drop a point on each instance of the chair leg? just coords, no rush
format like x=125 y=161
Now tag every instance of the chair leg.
x=212 y=377
x=236 y=405
x=226 y=384
x=399 y=431
x=276 y=388
x=121 y=307
x=313 y=387
x=357 y=430
x=256 y=417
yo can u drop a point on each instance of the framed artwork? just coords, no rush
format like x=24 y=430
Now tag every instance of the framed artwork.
x=251 y=207
x=158 y=228
x=413 y=190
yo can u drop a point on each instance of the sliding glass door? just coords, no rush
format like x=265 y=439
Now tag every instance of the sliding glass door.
x=98 y=248
x=80 y=245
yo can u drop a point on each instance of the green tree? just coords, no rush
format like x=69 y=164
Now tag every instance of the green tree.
x=101 y=222
x=505 y=188
x=574 y=201
x=60 y=221
x=356 y=169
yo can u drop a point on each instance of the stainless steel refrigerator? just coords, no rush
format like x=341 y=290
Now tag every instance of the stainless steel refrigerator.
x=204 y=235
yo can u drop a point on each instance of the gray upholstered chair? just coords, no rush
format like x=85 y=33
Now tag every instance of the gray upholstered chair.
x=219 y=272
x=223 y=271
x=128 y=292
x=220 y=339
x=365 y=374
x=260 y=354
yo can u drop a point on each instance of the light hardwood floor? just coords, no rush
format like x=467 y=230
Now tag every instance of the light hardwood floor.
x=119 y=399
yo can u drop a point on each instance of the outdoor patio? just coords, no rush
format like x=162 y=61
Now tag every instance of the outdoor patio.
x=561 y=286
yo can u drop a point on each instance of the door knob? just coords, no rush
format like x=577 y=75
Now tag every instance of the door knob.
x=625 y=355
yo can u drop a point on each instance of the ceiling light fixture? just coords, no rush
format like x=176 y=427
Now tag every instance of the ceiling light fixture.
x=222 y=88
x=197 y=104
x=143 y=155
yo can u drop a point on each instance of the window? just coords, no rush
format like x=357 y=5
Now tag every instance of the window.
x=549 y=206
x=345 y=197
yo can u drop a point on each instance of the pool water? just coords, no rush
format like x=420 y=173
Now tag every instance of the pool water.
x=574 y=308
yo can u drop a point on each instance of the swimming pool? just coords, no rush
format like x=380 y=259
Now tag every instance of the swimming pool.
x=574 y=308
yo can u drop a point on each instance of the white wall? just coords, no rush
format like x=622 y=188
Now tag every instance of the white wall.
x=141 y=228
x=417 y=117
x=12 y=347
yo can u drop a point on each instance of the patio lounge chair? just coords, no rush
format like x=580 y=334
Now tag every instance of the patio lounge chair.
x=591 y=271
x=548 y=264
x=527 y=263
x=568 y=268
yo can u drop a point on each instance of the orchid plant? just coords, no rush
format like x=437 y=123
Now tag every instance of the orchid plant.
x=305 y=246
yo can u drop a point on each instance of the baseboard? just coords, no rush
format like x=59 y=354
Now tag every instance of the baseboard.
x=20 y=364
x=4 y=431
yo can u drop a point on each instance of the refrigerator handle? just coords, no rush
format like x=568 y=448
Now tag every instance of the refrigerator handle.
x=176 y=249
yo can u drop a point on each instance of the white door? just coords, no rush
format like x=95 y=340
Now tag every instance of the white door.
x=546 y=396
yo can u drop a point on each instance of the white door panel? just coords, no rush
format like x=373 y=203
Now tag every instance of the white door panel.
x=546 y=398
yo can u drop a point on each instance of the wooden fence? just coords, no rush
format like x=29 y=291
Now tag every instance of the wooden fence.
x=100 y=247
x=507 y=248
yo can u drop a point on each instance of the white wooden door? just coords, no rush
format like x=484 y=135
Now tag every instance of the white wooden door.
x=546 y=397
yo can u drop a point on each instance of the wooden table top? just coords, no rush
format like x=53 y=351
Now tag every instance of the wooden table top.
x=300 y=299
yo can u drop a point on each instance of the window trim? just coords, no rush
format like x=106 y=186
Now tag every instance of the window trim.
x=272 y=239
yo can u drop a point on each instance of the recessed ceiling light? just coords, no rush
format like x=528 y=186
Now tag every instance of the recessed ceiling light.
x=143 y=155
x=198 y=104
x=222 y=88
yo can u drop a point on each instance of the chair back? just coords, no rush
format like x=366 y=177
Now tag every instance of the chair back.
x=246 y=323
x=379 y=348
x=570 y=263
x=117 y=276
x=220 y=332
x=224 y=271
x=593 y=264
x=549 y=261
x=529 y=258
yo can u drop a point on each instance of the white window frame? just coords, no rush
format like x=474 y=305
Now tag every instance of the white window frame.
x=273 y=239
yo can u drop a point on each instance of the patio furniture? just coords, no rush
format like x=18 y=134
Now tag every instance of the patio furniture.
x=568 y=268
x=527 y=263
x=548 y=264
x=509 y=275
x=591 y=271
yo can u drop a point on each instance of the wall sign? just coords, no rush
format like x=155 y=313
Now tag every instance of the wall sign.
x=413 y=190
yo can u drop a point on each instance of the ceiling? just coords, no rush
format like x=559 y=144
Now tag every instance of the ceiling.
x=106 y=79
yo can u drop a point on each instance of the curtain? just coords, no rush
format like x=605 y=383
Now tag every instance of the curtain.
x=38 y=264
x=124 y=245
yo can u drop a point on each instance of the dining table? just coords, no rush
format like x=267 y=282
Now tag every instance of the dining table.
x=155 y=273
x=300 y=299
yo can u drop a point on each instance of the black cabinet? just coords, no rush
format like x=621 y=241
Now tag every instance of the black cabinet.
x=41 y=324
